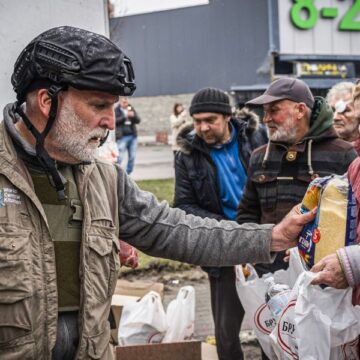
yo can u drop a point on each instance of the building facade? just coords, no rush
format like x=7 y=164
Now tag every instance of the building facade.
x=239 y=46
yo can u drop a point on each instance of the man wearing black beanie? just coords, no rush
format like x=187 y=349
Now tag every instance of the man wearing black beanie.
x=210 y=173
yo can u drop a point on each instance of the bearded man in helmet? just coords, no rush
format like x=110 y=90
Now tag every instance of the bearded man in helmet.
x=62 y=211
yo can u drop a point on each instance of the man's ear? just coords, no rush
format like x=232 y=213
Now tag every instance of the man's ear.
x=43 y=102
x=302 y=108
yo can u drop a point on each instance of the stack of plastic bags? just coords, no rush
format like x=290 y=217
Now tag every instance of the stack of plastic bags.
x=145 y=321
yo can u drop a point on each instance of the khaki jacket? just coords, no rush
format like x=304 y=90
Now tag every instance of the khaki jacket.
x=28 y=293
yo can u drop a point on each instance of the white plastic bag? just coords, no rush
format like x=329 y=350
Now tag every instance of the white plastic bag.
x=252 y=297
x=252 y=292
x=143 y=322
x=329 y=312
x=284 y=337
x=317 y=324
x=180 y=316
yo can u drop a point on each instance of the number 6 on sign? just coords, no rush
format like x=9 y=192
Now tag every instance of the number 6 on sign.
x=304 y=6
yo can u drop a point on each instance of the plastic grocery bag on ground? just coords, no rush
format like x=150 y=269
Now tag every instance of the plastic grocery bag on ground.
x=252 y=290
x=180 y=315
x=143 y=322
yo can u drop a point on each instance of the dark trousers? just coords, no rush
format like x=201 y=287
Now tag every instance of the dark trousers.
x=228 y=314
x=67 y=338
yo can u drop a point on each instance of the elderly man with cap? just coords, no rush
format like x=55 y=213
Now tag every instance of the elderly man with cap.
x=303 y=144
x=62 y=210
x=210 y=173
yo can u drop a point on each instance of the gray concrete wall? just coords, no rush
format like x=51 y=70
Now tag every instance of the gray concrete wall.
x=155 y=111
x=22 y=20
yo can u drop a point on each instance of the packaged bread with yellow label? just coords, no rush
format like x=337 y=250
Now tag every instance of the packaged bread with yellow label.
x=335 y=223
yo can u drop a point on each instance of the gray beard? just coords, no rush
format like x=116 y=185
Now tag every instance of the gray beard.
x=72 y=136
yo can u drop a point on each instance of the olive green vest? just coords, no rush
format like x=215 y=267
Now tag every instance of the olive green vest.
x=65 y=224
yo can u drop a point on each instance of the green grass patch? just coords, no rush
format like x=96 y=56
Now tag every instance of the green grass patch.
x=164 y=190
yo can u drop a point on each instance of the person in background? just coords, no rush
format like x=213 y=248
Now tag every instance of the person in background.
x=340 y=98
x=126 y=132
x=178 y=119
x=342 y=269
x=210 y=174
x=303 y=145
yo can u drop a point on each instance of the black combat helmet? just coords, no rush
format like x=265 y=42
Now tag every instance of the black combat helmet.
x=68 y=56
x=62 y=57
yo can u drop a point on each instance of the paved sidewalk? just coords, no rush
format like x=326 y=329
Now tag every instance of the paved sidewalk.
x=153 y=162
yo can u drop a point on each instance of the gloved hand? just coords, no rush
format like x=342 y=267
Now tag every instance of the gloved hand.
x=128 y=255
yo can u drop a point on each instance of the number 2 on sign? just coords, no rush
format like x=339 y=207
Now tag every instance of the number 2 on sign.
x=304 y=15
x=348 y=22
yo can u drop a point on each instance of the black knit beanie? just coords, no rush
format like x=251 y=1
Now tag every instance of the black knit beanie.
x=210 y=100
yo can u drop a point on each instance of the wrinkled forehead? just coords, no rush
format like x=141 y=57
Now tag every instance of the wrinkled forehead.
x=343 y=95
x=88 y=95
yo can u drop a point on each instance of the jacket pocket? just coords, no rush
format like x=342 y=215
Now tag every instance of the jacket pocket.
x=266 y=187
x=99 y=345
x=103 y=261
x=20 y=348
x=15 y=294
x=204 y=189
x=15 y=279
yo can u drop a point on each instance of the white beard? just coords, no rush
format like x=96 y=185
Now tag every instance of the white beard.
x=285 y=133
x=71 y=136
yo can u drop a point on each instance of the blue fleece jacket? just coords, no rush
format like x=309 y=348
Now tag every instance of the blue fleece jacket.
x=231 y=175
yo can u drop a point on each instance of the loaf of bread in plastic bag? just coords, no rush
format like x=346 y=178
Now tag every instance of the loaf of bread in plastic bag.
x=335 y=223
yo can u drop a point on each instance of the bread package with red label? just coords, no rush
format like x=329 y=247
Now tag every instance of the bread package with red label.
x=335 y=223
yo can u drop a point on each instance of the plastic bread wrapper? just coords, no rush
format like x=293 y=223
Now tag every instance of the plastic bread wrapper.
x=335 y=223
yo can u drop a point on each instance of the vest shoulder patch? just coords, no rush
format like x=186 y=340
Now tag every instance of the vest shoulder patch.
x=9 y=196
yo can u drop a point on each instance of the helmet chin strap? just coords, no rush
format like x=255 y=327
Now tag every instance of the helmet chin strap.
x=103 y=140
x=45 y=160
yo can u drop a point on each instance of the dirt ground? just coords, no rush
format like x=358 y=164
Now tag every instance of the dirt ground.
x=204 y=326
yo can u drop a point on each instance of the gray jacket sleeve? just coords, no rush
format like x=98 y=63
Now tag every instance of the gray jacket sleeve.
x=158 y=230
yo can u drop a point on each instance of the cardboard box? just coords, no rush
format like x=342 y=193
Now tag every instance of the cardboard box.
x=138 y=288
x=208 y=352
x=185 y=350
